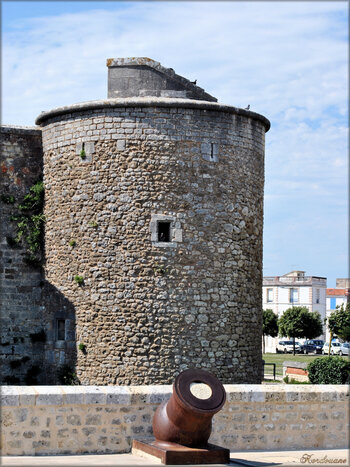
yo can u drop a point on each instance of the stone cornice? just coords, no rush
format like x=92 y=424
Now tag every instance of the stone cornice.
x=150 y=102
x=31 y=130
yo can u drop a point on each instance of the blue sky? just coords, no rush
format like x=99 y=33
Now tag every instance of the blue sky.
x=288 y=60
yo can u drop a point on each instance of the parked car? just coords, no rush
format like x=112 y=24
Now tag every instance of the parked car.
x=335 y=347
x=312 y=346
x=344 y=348
x=287 y=346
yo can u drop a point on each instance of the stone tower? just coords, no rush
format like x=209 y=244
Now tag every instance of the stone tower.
x=154 y=218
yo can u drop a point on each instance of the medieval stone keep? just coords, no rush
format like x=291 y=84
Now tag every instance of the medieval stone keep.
x=153 y=233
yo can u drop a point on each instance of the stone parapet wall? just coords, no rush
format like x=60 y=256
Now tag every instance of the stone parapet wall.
x=143 y=102
x=43 y=420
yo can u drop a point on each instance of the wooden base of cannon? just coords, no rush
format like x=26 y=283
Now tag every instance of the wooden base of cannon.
x=176 y=454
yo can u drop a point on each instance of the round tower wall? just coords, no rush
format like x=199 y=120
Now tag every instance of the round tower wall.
x=148 y=309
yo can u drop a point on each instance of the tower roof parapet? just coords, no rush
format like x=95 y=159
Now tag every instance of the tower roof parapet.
x=142 y=77
x=149 y=102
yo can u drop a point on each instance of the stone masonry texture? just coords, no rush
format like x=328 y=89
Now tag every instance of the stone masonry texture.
x=20 y=284
x=60 y=420
x=119 y=305
x=148 y=310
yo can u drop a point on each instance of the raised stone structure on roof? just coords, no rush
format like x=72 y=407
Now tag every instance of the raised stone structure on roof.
x=143 y=77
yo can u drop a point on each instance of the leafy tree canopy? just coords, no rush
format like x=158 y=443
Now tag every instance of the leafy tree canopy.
x=339 y=322
x=298 y=321
x=270 y=323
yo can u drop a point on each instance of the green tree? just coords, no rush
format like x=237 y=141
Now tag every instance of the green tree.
x=339 y=323
x=298 y=321
x=270 y=325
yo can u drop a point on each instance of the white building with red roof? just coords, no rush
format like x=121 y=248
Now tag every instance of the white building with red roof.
x=340 y=295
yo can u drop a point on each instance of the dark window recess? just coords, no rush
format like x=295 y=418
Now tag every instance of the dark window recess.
x=61 y=329
x=163 y=231
x=212 y=151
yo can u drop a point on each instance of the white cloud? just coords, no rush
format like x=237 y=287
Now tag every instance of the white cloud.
x=288 y=60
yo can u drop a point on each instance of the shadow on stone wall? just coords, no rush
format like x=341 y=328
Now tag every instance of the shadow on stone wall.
x=60 y=347
x=38 y=343
x=21 y=323
x=37 y=323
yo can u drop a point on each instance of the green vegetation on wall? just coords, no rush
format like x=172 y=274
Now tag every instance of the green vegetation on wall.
x=79 y=280
x=29 y=219
x=67 y=376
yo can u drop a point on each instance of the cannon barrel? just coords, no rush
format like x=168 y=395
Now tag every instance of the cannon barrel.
x=186 y=418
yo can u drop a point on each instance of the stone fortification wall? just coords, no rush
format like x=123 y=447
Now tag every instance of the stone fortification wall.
x=74 y=420
x=30 y=352
x=148 y=309
x=20 y=283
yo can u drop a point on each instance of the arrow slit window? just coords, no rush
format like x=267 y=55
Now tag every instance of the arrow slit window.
x=61 y=329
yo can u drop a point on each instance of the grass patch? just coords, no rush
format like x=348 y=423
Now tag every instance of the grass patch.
x=280 y=358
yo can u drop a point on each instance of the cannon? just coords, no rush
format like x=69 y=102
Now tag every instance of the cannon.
x=182 y=425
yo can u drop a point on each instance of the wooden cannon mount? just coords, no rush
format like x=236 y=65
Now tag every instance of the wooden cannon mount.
x=182 y=425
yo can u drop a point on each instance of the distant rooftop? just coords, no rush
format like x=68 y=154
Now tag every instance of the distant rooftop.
x=294 y=274
x=144 y=77
x=343 y=283
x=295 y=278
x=337 y=292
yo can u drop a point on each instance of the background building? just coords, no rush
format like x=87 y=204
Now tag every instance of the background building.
x=293 y=289
x=338 y=296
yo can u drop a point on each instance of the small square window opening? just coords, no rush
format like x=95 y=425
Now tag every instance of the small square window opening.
x=163 y=231
x=61 y=329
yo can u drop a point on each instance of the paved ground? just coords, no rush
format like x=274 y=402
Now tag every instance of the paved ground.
x=251 y=459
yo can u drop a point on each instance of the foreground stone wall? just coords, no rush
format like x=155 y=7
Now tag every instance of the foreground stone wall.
x=148 y=309
x=21 y=357
x=73 y=420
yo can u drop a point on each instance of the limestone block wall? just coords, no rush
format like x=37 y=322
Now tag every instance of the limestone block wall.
x=147 y=309
x=42 y=420
x=21 y=315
